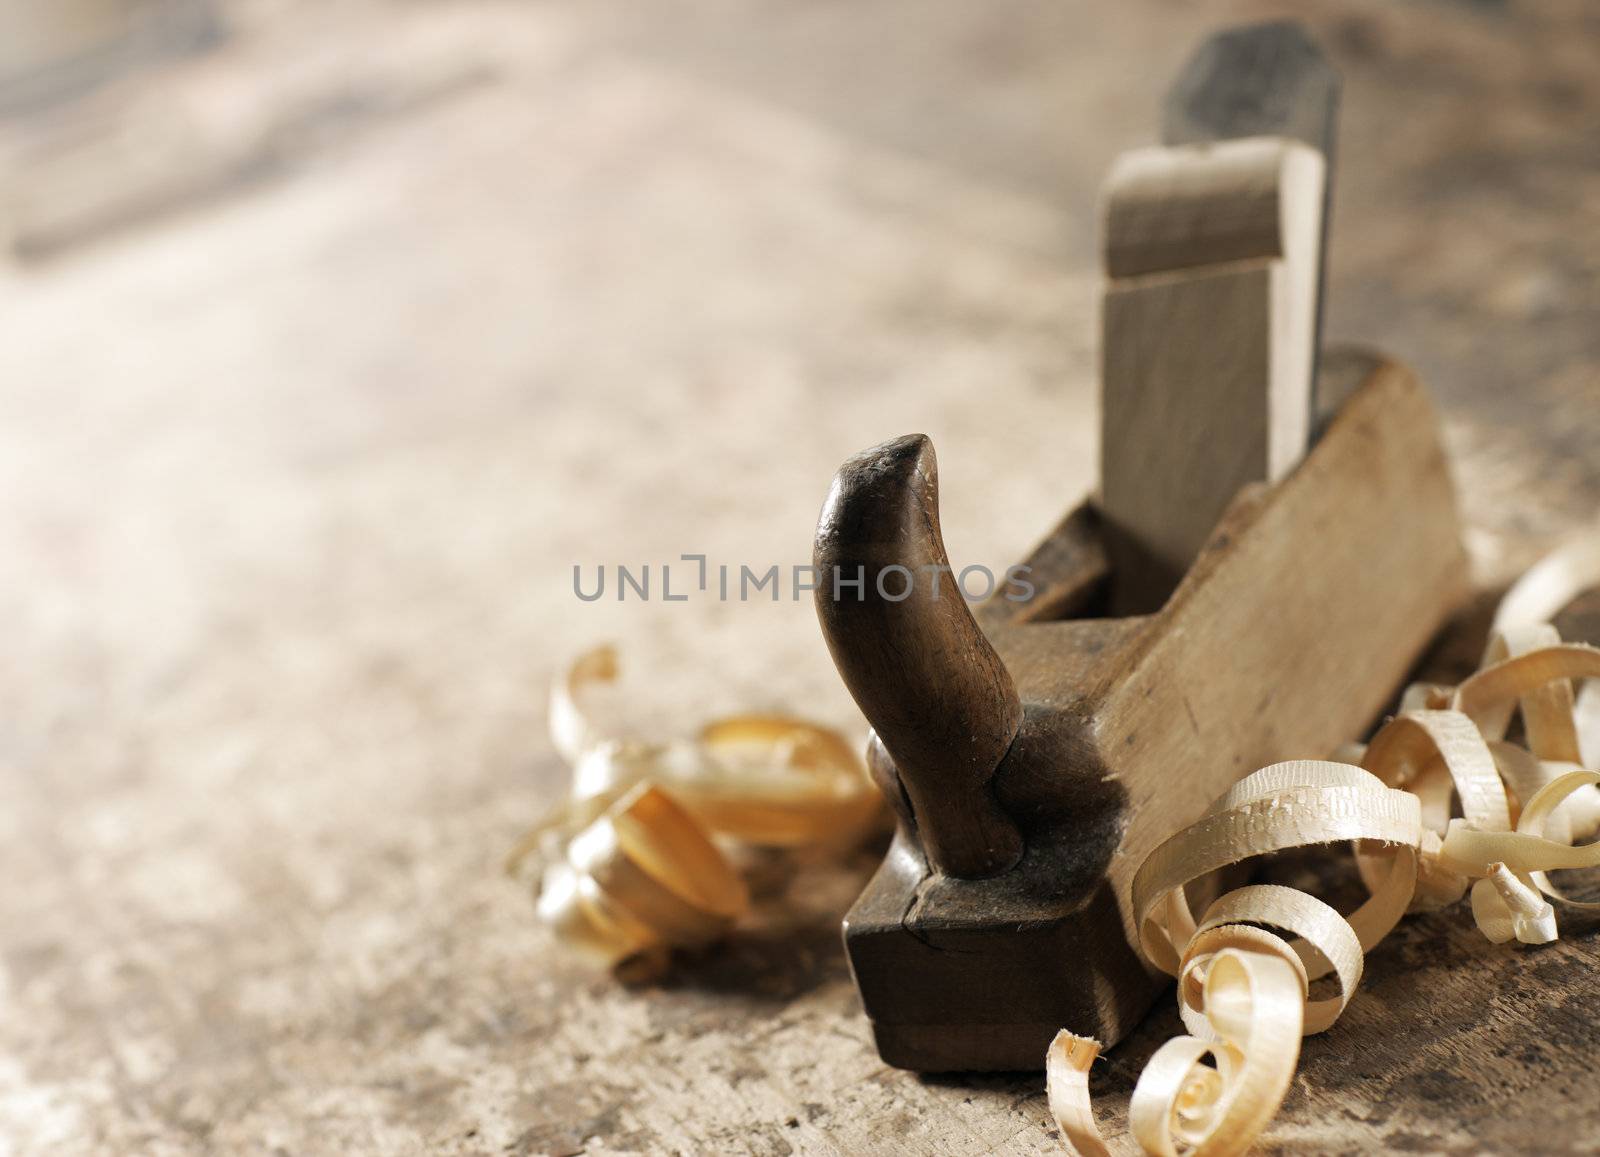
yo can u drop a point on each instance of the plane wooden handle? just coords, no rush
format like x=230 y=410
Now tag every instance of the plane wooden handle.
x=940 y=699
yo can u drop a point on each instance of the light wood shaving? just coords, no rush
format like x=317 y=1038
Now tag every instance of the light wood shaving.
x=631 y=867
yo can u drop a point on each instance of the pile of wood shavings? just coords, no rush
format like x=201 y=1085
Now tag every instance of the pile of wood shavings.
x=1246 y=965
x=631 y=863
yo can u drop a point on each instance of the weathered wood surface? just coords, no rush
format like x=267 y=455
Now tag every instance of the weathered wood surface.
x=289 y=535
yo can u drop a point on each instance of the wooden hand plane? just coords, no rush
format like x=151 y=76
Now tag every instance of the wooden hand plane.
x=1262 y=564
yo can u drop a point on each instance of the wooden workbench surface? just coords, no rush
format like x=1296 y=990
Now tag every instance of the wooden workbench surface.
x=429 y=302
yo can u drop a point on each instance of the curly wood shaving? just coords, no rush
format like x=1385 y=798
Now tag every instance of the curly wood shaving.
x=1245 y=965
x=631 y=866
x=1254 y=998
x=1551 y=583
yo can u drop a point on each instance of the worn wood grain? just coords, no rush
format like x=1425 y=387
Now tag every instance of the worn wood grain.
x=1210 y=338
x=295 y=473
x=1269 y=79
x=1212 y=260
